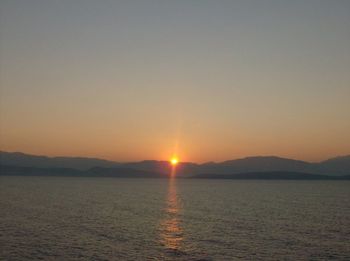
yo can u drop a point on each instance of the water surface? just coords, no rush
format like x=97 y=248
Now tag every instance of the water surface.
x=157 y=219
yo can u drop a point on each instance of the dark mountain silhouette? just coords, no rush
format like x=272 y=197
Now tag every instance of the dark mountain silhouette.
x=67 y=172
x=256 y=164
x=27 y=160
x=6 y=170
x=124 y=173
x=182 y=169
x=275 y=175
x=333 y=167
x=134 y=173
x=338 y=166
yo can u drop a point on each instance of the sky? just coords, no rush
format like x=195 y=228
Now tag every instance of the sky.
x=206 y=80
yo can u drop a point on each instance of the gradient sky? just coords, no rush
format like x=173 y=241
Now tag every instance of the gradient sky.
x=133 y=80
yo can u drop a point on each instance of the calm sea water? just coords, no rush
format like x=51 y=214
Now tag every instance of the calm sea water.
x=153 y=219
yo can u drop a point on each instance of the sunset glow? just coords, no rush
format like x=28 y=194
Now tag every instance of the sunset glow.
x=227 y=77
x=174 y=161
x=166 y=130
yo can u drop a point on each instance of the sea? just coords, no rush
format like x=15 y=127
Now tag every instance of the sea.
x=68 y=218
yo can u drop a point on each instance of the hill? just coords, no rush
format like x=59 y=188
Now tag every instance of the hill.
x=66 y=172
x=333 y=167
x=27 y=160
x=273 y=175
x=338 y=166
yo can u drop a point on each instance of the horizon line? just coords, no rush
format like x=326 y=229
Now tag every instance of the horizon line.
x=192 y=162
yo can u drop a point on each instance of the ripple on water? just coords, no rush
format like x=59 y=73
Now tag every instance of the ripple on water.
x=150 y=219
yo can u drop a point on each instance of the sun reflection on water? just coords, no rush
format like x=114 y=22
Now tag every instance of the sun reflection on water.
x=171 y=233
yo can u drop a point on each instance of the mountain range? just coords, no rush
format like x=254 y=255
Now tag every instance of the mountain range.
x=28 y=160
x=17 y=162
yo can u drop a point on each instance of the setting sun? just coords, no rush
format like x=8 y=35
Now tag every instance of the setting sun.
x=174 y=161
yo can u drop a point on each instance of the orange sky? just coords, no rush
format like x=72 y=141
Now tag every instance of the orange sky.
x=134 y=81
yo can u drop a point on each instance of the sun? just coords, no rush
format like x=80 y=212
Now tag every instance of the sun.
x=174 y=161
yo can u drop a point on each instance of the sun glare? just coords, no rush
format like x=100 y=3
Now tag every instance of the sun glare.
x=174 y=161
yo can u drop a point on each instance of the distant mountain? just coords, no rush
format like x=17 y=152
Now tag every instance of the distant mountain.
x=66 y=172
x=256 y=164
x=333 y=167
x=6 y=170
x=27 y=160
x=134 y=173
x=182 y=169
x=273 y=175
x=338 y=166
x=124 y=173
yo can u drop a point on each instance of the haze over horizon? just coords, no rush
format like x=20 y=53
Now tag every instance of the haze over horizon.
x=169 y=160
x=208 y=81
